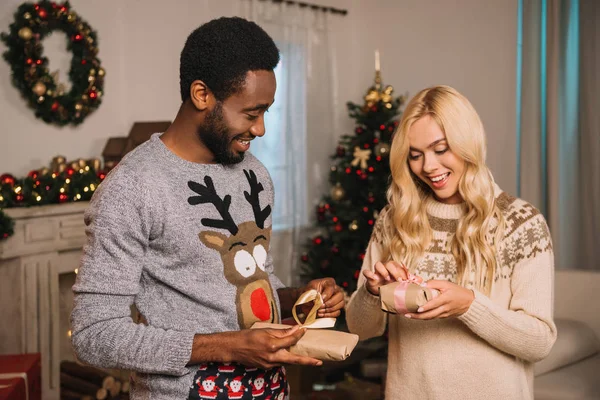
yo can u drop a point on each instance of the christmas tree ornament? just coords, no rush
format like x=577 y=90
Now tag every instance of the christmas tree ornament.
x=361 y=157
x=337 y=192
x=382 y=149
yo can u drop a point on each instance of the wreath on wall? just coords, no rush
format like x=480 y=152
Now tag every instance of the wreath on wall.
x=41 y=88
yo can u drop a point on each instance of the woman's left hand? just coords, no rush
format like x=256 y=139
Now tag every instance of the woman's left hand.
x=453 y=301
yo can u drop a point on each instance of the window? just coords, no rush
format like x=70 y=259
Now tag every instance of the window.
x=282 y=148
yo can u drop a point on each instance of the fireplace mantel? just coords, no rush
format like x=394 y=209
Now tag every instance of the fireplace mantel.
x=47 y=242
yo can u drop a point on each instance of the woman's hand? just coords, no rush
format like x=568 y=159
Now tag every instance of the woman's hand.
x=392 y=271
x=453 y=301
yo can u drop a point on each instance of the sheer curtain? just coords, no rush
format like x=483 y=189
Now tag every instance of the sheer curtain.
x=558 y=129
x=301 y=125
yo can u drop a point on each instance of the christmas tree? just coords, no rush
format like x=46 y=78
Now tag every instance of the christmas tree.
x=359 y=180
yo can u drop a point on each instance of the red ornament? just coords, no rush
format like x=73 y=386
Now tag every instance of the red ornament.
x=378 y=158
x=83 y=62
x=374 y=108
x=63 y=9
x=395 y=123
x=370 y=222
x=77 y=37
x=70 y=171
x=359 y=172
x=29 y=61
x=327 y=206
x=335 y=250
x=366 y=145
x=43 y=14
x=339 y=228
x=54 y=106
x=304 y=258
x=361 y=256
x=375 y=141
x=391 y=128
x=19 y=198
x=366 y=209
x=321 y=210
x=38 y=62
x=4 y=236
x=101 y=175
x=335 y=219
x=371 y=199
x=37 y=183
x=345 y=284
x=356 y=274
x=62 y=198
x=371 y=169
x=318 y=240
x=358 y=130
x=348 y=170
x=33 y=174
x=7 y=179
x=381 y=127
x=37 y=7
x=364 y=176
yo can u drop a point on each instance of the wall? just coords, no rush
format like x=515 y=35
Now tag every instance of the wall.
x=469 y=44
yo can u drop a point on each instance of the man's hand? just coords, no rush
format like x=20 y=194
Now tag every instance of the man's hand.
x=264 y=348
x=383 y=274
x=267 y=348
x=453 y=301
x=332 y=294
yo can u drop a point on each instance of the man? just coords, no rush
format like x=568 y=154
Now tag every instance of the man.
x=181 y=229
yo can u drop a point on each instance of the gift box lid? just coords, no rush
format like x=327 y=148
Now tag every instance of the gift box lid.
x=10 y=363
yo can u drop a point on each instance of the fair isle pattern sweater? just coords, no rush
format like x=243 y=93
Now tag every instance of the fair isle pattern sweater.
x=489 y=351
x=188 y=245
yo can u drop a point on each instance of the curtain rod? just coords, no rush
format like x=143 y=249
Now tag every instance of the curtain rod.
x=312 y=6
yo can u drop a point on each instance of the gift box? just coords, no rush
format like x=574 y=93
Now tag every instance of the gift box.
x=12 y=389
x=23 y=368
x=405 y=296
x=322 y=344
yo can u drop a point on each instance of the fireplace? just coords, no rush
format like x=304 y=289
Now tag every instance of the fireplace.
x=37 y=270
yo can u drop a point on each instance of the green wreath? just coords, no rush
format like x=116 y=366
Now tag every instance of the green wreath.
x=41 y=88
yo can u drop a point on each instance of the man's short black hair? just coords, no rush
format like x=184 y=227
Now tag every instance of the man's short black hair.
x=221 y=52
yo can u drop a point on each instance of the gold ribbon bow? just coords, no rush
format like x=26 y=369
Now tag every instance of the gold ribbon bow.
x=361 y=156
x=311 y=320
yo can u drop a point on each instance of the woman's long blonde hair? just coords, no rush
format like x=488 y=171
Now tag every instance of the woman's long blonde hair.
x=406 y=229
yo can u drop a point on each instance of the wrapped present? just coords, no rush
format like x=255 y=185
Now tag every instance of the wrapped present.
x=25 y=368
x=405 y=296
x=12 y=389
x=319 y=343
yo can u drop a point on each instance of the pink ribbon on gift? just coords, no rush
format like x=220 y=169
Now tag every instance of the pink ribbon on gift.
x=400 y=291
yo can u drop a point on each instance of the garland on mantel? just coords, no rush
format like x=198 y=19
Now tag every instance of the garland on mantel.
x=59 y=184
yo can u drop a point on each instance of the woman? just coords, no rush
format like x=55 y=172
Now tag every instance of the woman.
x=489 y=254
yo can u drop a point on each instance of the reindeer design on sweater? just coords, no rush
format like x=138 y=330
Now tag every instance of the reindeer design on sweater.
x=244 y=252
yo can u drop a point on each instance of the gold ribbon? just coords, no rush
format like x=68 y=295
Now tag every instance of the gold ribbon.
x=311 y=320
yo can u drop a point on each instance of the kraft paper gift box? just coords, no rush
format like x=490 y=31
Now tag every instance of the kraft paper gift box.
x=25 y=368
x=322 y=344
x=405 y=296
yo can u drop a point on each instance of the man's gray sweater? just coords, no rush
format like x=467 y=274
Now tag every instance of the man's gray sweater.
x=188 y=245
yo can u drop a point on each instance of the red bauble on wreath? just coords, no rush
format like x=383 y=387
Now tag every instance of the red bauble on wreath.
x=42 y=89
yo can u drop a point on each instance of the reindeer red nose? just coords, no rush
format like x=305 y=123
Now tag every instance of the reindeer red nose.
x=260 y=305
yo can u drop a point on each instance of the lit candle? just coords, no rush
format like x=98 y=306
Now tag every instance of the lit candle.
x=377 y=66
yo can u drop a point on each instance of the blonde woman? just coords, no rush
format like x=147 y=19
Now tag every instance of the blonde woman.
x=489 y=254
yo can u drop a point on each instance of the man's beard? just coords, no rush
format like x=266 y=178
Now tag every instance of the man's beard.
x=215 y=135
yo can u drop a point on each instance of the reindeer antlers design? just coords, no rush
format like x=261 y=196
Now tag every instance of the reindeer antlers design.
x=260 y=216
x=208 y=194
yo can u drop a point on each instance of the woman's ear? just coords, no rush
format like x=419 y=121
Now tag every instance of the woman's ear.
x=200 y=95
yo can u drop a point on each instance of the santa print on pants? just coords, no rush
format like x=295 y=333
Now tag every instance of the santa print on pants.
x=218 y=381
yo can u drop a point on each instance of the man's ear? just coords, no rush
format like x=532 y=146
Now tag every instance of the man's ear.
x=200 y=95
